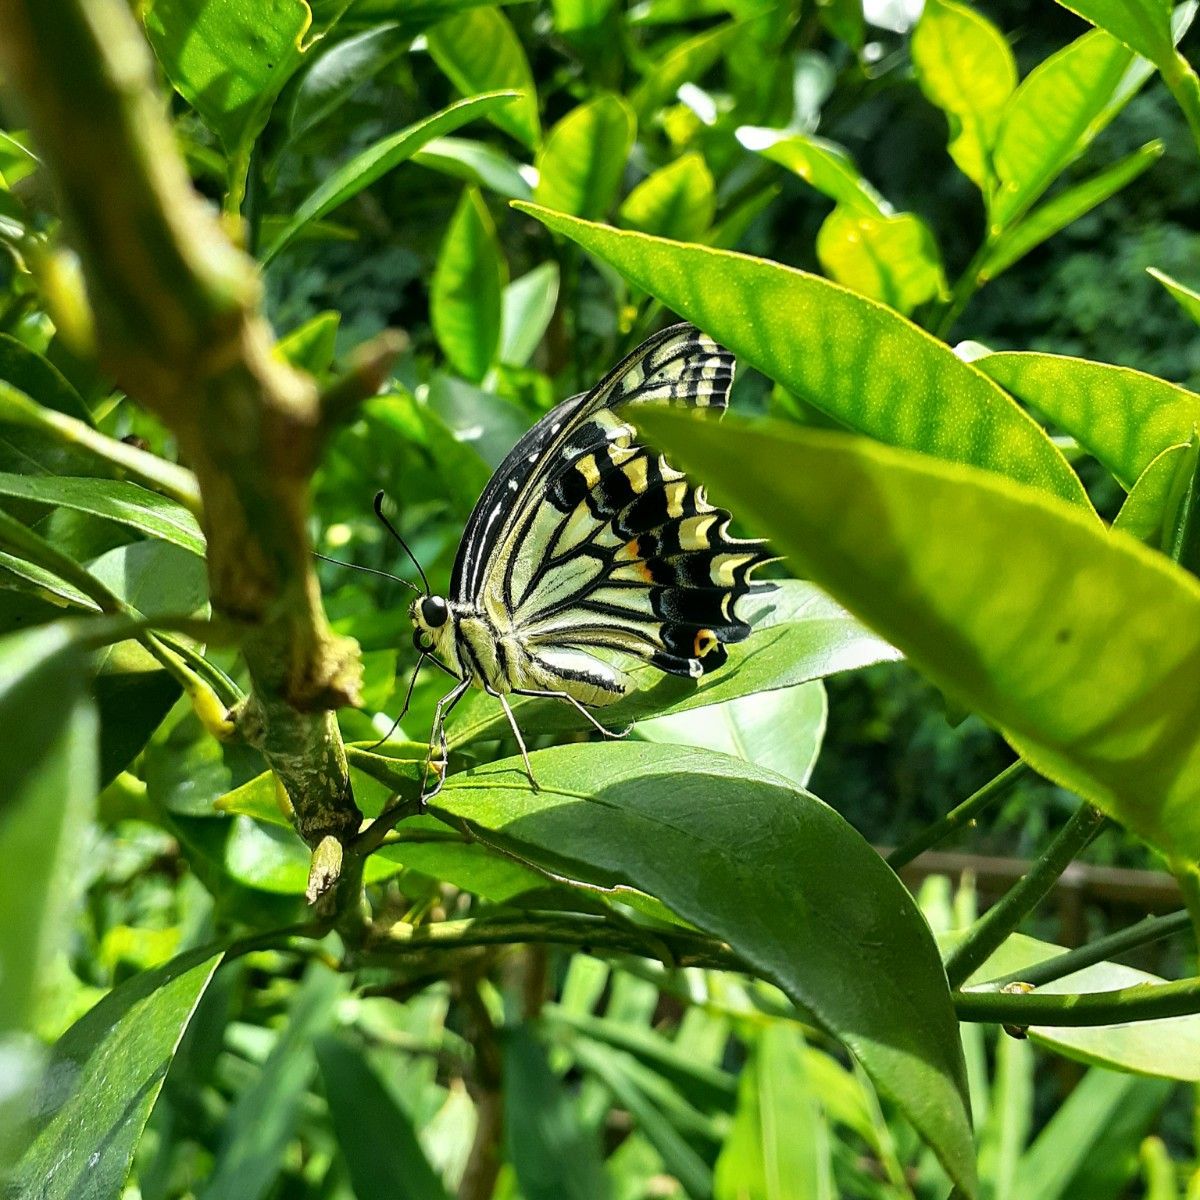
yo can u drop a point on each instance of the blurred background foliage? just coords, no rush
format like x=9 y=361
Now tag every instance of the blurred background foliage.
x=643 y=1085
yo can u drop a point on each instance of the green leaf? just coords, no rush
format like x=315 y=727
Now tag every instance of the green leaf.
x=477 y=163
x=39 y=379
x=844 y=19
x=575 y=16
x=48 y=738
x=765 y=866
x=780 y=731
x=1187 y=298
x=338 y=71
x=377 y=160
x=1062 y=209
x=965 y=67
x=1124 y=417
x=652 y=1120
x=114 y=500
x=843 y=354
x=479 y=52
x=262 y=1120
x=686 y=63
x=676 y=201
x=526 y=310
x=1144 y=512
x=311 y=346
x=581 y=164
x=553 y=1154
x=1098 y=1127
x=375 y=1135
x=778 y=1147
x=824 y=165
x=465 y=294
x=799 y=635
x=894 y=259
x=104 y=1076
x=1004 y=1135
x=1079 y=644
x=228 y=59
x=1052 y=118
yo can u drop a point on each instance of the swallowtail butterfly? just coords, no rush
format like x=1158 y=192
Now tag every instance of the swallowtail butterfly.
x=585 y=541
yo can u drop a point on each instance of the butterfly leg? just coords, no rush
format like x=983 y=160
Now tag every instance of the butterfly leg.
x=608 y=733
x=435 y=764
x=512 y=720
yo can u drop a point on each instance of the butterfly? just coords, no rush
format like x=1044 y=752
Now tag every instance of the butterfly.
x=584 y=542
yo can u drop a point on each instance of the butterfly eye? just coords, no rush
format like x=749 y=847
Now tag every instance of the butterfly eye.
x=433 y=611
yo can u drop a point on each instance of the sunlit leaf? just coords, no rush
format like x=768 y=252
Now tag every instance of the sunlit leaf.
x=1187 y=298
x=465 y=293
x=1145 y=508
x=103 y=1079
x=1081 y=645
x=676 y=201
x=526 y=310
x=480 y=52
x=583 y=159
x=965 y=67
x=229 y=60
x=843 y=354
x=693 y=829
x=311 y=346
x=892 y=259
x=819 y=162
x=686 y=63
x=478 y=163
x=1124 y=417
x=572 y=16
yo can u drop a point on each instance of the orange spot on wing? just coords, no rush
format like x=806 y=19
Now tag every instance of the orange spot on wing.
x=705 y=642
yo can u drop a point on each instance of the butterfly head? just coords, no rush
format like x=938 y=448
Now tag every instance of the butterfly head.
x=430 y=616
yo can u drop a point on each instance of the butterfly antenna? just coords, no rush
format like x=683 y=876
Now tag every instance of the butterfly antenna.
x=367 y=570
x=395 y=533
x=412 y=683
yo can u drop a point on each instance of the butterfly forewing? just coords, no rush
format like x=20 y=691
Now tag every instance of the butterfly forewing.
x=586 y=540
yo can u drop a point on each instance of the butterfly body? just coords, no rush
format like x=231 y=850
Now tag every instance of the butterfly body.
x=586 y=544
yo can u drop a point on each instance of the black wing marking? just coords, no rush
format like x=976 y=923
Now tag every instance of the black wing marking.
x=678 y=365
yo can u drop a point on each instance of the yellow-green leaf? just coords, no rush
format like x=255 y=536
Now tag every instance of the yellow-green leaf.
x=965 y=67
x=479 y=52
x=1081 y=645
x=468 y=283
x=676 y=201
x=1145 y=509
x=1124 y=417
x=583 y=158
x=890 y=259
x=1187 y=298
x=848 y=356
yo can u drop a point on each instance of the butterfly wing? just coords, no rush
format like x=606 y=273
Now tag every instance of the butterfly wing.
x=585 y=540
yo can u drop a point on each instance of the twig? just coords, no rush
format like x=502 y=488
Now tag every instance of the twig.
x=1142 y=1002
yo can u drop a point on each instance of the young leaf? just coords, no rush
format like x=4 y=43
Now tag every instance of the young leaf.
x=375 y=1135
x=824 y=165
x=686 y=63
x=677 y=201
x=768 y=868
x=479 y=52
x=778 y=1146
x=1145 y=509
x=229 y=60
x=377 y=160
x=583 y=159
x=104 y=1076
x=1187 y=298
x=1064 y=208
x=311 y=346
x=780 y=730
x=845 y=355
x=553 y=1154
x=115 y=500
x=465 y=295
x=1079 y=644
x=574 y=16
x=891 y=259
x=477 y=163
x=526 y=310
x=1124 y=417
x=1056 y=113
x=965 y=67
